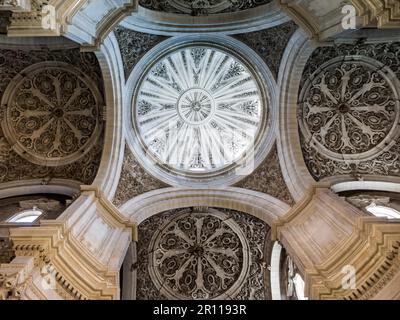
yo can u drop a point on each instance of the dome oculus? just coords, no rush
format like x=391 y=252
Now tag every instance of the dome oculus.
x=197 y=109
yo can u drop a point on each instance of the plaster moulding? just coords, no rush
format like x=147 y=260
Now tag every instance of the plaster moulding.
x=55 y=186
x=87 y=22
x=171 y=24
x=260 y=205
x=111 y=65
x=344 y=237
x=294 y=169
x=367 y=184
x=383 y=13
x=71 y=245
x=321 y=20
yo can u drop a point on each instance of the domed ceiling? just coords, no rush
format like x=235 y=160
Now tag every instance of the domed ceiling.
x=198 y=109
x=167 y=74
x=201 y=111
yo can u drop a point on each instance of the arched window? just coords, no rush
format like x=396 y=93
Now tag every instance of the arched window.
x=299 y=287
x=383 y=211
x=26 y=216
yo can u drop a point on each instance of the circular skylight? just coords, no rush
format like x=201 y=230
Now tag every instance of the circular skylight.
x=198 y=109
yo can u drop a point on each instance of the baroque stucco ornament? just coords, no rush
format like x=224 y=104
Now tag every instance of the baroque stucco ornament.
x=52 y=113
x=349 y=108
x=199 y=256
x=198 y=109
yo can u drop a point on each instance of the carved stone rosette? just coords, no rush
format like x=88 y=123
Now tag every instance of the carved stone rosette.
x=199 y=256
x=202 y=253
x=52 y=114
x=349 y=108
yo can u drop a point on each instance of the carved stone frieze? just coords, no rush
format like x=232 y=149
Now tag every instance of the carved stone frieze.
x=134 y=180
x=31 y=258
x=270 y=43
x=268 y=178
x=188 y=254
x=10 y=286
x=28 y=14
x=381 y=277
x=349 y=110
x=43 y=112
x=134 y=45
x=201 y=7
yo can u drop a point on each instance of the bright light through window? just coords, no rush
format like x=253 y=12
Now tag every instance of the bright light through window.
x=198 y=109
x=27 y=216
x=299 y=286
x=383 y=212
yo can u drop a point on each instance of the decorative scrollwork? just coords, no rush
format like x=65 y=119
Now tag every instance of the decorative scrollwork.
x=199 y=256
x=134 y=45
x=52 y=114
x=349 y=108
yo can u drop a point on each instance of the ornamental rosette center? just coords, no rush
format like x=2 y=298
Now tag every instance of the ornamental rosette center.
x=350 y=108
x=198 y=256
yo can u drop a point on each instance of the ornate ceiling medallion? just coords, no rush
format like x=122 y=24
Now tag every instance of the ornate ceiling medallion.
x=52 y=113
x=349 y=108
x=198 y=110
x=199 y=256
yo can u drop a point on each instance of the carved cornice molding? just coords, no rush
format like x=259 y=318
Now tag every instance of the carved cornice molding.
x=14 y=278
x=385 y=273
x=82 y=250
x=39 y=253
x=112 y=209
x=324 y=233
x=383 y=13
x=76 y=26
x=75 y=19
x=15 y=5
x=322 y=20
x=373 y=251
x=305 y=20
x=260 y=205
